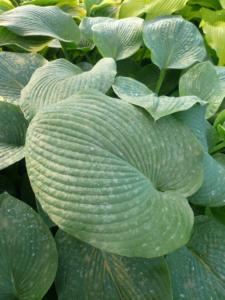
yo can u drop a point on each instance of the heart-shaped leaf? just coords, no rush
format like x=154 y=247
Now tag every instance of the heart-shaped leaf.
x=15 y=72
x=32 y=20
x=12 y=137
x=203 y=80
x=212 y=191
x=28 y=260
x=99 y=180
x=86 y=272
x=138 y=94
x=198 y=270
x=118 y=39
x=60 y=79
x=153 y=8
x=174 y=42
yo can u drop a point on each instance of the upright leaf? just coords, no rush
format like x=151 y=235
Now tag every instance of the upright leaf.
x=50 y=21
x=12 y=137
x=28 y=259
x=86 y=272
x=174 y=42
x=118 y=39
x=100 y=181
x=197 y=271
x=60 y=79
x=15 y=72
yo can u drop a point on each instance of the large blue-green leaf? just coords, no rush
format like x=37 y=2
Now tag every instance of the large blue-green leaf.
x=87 y=273
x=138 y=94
x=12 y=135
x=50 y=21
x=206 y=82
x=174 y=42
x=153 y=8
x=198 y=270
x=118 y=39
x=101 y=181
x=15 y=72
x=212 y=191
x=28 y=259
x=60 y=79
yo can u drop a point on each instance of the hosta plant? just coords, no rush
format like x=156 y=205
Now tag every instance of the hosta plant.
x=112 y=164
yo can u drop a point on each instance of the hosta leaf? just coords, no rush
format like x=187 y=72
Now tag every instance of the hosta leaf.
x=33 y=44
x=197 y=271
x=87 y=273
x=138 y=94
x=12 y=137
x=15 y=72
x=89 y=3
x=118 y=39
x=32 y=20
x=108 y=8
x=212 y=191
x=174 y=42
x=153 y=8
x=203 y=81
x=5 y=5
x=28 y=259
x=60 y=79
x=213 y=25
x=99 y=180
x=222 y=2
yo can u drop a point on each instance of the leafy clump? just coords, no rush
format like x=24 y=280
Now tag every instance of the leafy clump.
x=112 y=164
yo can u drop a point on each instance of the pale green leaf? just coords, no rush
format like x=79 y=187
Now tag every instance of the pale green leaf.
x=87 y=273
x=12 y=135
x=107 y=8
x=174 y=42
x=212 y=191
x=5 y=5
x=15 y=72
x=60 y=79
x=89 y=3
x=153 y=8
x=101 y=181
x=50 y=21
x=138 y=94
x=34 y=43
x=222 y=2
x=213 y=25
x=118 y=39
x=203 y=81
x=28 y=259
x=198 y=270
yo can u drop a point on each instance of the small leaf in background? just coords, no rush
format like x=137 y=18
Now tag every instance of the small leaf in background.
x=213 y=26
x=138 y=94
x=28 y=252
x=88 y=273
x=222 y=2
x=109 y=8
x=32 y=20
x=198 y=270
x=153 y=8
x=12 y=136
x=60 y=79
x=99 y=180
x=118 y=39
x=174 y=42
x=15 y=72
x=203 y=80
x=5 y=5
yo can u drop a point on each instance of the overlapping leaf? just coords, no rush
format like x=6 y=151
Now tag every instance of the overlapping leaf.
x=212 y=191
x=153 y=8
x=86 y=272
x=15 y=72
x=174 y=42
x=206 y=82
x=60 y=79
x=118 y=39
x=32 y=20
x=12 y=137
x=138 y=94
x=99 y=180
x=28 y=259
x=198 y=269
